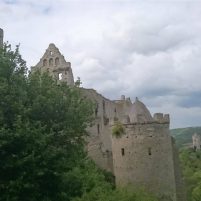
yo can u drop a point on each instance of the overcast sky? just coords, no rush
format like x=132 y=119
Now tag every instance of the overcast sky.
x=150 y=49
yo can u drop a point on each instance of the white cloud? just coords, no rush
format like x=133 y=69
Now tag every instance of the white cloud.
x=150 y=49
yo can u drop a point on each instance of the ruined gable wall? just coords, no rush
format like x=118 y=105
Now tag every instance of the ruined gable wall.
x=55 y=64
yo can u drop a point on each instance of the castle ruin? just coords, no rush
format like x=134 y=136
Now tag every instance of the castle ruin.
x=144 y=155
x=196 y=141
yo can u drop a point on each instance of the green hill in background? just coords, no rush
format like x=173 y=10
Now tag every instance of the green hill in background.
x=183 y=136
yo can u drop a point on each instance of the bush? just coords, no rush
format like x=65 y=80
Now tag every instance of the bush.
x=118 y=129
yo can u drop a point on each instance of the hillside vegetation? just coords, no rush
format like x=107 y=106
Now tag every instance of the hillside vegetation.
x=191 y=167
x=184 y=135
x=190 y=161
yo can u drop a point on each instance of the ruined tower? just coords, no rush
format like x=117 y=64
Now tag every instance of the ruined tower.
x=145 y=155
x=1 y=38
x=196 y=141
x=55 y=64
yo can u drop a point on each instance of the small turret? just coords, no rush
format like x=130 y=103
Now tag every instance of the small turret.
x=122 y=97
x=159 y=117
x=196 y=141
x=1 y=38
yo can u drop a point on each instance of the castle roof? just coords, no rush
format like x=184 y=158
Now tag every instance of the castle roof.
x=139 y=113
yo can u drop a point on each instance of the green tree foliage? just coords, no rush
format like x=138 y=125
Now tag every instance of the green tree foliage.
x=42 y=130
x=191 y=165
x=119 y=194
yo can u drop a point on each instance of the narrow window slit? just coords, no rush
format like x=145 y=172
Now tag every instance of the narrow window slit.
x=122 y=152
x=149 y=151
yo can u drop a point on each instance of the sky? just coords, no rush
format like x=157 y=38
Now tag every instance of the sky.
x=140 y=48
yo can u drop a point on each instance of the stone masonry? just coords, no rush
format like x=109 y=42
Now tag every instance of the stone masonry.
x=145 y=154
x=55 y=64
x=196 y=141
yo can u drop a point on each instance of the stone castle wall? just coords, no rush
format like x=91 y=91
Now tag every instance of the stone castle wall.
x=99 y=141
x=180 y=190
x=144 y=157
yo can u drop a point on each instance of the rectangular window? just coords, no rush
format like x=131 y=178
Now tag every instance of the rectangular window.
x=122 y=152
x=149 y=151
x=98 y=129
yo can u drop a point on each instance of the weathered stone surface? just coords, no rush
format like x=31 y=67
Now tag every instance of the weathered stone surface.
x=55 y=64
x=144 y=155
x=196 y=141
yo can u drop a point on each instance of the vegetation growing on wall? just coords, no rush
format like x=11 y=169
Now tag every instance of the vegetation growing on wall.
x=118 y=129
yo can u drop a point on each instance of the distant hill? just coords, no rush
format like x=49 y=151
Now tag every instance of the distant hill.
x=183 y=136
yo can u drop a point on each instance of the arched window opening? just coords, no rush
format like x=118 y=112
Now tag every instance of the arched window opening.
x=45 y=62
x=51 y=53
x=60 y=76
x=51 y=62
x=57 y=61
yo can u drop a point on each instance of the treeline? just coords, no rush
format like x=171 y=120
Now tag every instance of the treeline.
x=183 y=136
x=42 y=131
x=191 y=166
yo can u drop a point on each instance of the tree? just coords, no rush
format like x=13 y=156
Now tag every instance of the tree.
x=191 y=165
x=42 y=131
x=121 y=194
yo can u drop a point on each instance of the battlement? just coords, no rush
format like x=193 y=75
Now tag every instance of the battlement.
x=123 y=99
x=162 y=118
